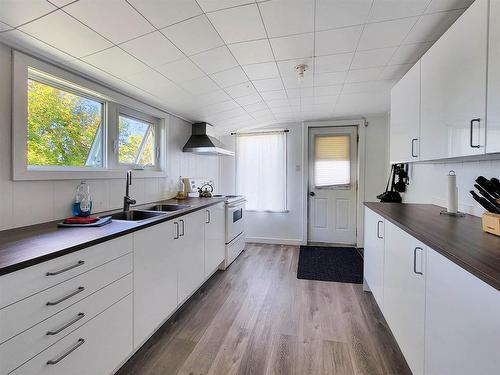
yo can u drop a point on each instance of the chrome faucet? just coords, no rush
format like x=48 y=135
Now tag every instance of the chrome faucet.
x=127 y=201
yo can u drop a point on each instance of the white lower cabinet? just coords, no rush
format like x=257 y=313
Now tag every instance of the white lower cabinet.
x=191 y=261
x=97 y=347
x=462 y=326
x=404 y=294
x=214 y=238
x=374 y=255
x=155 y=278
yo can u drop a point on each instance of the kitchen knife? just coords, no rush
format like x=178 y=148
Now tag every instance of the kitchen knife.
x=488 y=197
x=486 y=185
x=483 y=202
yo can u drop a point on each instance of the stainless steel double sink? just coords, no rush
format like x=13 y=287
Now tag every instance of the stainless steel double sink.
x=148 y=212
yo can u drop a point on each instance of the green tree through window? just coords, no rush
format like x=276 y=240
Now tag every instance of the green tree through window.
x=62 y=128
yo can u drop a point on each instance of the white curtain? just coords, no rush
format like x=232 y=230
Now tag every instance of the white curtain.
x=261 y=170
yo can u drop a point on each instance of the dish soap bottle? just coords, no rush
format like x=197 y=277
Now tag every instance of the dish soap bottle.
x=83 y=203
x=181 y=192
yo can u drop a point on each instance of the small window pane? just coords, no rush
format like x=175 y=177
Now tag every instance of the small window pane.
x=332 y=164
x=136 y=141
x=64 y=129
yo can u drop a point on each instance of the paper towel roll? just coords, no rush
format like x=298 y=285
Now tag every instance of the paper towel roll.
x=452 y=205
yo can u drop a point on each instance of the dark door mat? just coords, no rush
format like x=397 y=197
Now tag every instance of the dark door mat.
x=338 y=264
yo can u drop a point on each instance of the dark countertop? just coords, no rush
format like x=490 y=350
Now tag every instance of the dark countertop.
x=26 y=246
x=461 y=240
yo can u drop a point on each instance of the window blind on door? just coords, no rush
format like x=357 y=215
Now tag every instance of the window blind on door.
x=261 y=170
x=332 y=162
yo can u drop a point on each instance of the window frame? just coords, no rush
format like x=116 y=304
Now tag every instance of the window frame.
x=114 y=103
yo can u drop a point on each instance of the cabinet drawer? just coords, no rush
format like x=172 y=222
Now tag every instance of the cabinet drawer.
x=27 y=344
x=96 y=348
x=24 y=314
x=26 y=282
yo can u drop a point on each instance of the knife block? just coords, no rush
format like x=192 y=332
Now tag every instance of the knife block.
x=491 y=223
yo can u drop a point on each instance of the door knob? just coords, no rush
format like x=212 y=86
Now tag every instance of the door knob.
x=312 y=193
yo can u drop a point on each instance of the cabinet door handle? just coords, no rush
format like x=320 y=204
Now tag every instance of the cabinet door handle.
x=378 y=229
x=176 y=230
x=70 y=350
x=77 y=264
x=209 y=217
x=69 y=324
x=413 y=154
x=182 y=227
x=415 y=260
x=478 y=120
x=56 y=302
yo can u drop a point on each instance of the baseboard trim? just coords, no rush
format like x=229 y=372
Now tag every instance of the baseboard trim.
x=275 y=241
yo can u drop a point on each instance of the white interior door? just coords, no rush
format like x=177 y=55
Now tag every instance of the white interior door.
x=332 y=185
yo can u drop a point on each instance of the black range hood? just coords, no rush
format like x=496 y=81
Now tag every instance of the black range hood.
x=201 y=143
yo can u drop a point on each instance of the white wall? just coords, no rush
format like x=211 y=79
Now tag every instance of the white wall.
x=288 y=227
x=31 y=202
x=428 y=182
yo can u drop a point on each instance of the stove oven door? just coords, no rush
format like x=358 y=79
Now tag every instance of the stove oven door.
x=235 y=220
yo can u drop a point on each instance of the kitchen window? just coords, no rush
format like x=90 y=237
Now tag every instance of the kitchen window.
x=67 y=127
x=261 y=170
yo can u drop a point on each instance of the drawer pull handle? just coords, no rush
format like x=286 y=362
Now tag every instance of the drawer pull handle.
x=70 y=323
x=53 y=303
x=80 y=263
x=55 y=361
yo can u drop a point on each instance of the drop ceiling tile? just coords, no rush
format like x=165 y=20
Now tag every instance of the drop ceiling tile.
x=300 y=92
x=220 y=107
x=255 y=107
x=366 y=103
x=242 y=89
x=154 y=83
x=253 y=52
x=430 y=27
x=327 y=90
x=4 y=27
x=409 y=53
x=329 y=79
x=200 y=86
x=384 y=10
x=162 y=13
x=215 y=60
x=277 y=103
x=339 y=13
x=226 y=115
x=238 y=24
x=116 y=62
x=61 y=3
x=285 y=17
x=213 y=97
x=394 y=72
x=443 y=5
x=15 y=12
x=333 y=63
x=372 y=58
x=77 y=40
x=270 y=84
x=278 y=110
x=287 y=67
x=194 y=35
x=181 y=71
x=292 y=81
x=109 y=18
x=213 y=5
x=230 y=77
x=386 y=34
x=337 y=41
x=249 y=99
x=261 y=71
x=381 y=87
x=326 y=100
x=271 y=95
x=293 y=47
x=153 y=49
x=363 y=75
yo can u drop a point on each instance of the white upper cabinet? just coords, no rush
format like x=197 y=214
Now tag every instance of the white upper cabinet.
x=493 y=128
x=405 y=117
x=374 y=255
x=453 y=91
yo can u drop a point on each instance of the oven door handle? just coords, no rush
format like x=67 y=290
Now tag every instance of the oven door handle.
x=240 y=203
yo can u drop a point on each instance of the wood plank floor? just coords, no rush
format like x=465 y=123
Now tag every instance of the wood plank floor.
x=258 y=318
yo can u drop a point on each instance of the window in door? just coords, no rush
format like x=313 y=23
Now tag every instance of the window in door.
x=332 y=163
x=261 y=170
